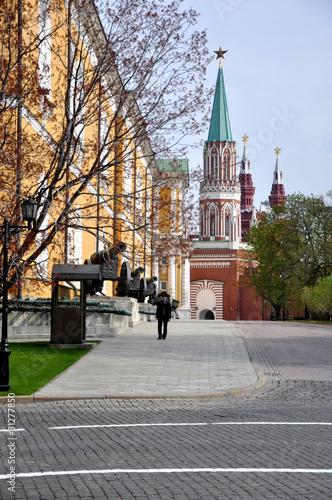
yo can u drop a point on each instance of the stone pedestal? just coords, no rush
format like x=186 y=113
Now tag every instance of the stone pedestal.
x=147 y=312
x=37 y=325
x=127 y=304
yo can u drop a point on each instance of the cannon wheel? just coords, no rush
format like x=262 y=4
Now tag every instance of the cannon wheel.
x=124 y=280
x=142 y=290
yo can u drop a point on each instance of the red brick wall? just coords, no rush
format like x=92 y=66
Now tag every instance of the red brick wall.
x=250 y=304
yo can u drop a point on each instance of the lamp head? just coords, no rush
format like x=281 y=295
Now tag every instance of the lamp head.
x=29 y=211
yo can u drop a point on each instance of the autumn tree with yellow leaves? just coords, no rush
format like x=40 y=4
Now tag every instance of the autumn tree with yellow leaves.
x=91 y=95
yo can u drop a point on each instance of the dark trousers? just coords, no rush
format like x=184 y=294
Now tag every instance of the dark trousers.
x=161 y=322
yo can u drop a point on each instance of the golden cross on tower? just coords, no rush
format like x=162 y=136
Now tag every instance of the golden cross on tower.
x=277 y=151
x=220 y=54
x=245 y=138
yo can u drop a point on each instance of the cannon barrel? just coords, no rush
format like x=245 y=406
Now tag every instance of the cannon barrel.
x=153 y=279
x=137 y=271
x=108 y=253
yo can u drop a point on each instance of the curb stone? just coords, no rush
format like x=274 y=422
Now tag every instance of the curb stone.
x=261 y=382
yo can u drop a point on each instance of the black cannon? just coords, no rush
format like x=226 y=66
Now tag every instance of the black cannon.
x=145 y=287
x=108 y=260
x=130 y=284
x=129 y=281
x=136 y=289
x=124 y=280
x=152 y=289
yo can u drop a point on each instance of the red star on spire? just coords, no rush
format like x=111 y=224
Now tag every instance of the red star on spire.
x=220 y=53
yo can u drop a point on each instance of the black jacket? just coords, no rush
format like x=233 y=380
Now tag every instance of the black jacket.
x=163 y=310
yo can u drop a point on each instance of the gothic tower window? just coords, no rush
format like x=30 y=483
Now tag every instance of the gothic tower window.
x=213 y=225
x=206 y=167
x=214 y=161
x=227 y=226
x=227 y=166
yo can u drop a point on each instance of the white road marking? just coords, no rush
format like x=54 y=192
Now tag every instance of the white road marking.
x=177 y=470
x=12 y=430
x=96 y=426
x=169 y=471
x=271 y=423
x=125 y=425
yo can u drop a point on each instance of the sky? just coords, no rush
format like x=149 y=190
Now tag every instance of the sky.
x=278 y=79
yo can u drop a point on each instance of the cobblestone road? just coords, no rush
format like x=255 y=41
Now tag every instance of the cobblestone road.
x=275 y=443
x=290 y=351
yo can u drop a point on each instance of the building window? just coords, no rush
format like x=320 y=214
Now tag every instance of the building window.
x=127 y=170
x=227 y=166
x=214 y=162
x=163 y=286
x=213 y=225
x=78 y=238
x=164 y=261
x=79 y=102
x=103 y=127
x=139 y=190
x=227 y=226
x=45 y=53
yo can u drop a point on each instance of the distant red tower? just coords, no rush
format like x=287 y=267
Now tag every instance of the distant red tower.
x=277 y=196
x=214 y=261
x=226 y=215
x=247 y=192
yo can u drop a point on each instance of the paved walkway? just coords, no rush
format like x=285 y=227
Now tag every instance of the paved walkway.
x=198 y=358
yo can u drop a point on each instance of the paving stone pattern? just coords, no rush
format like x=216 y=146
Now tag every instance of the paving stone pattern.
x=289 y=351
x=283 y=400
x=195 y=359
x=43 y=449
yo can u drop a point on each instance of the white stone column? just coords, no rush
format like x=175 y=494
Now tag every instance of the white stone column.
x=234 y=228
x=185 y=311
x=185 y=282
x=172 y=277
x=155 y=272
x=155 y=268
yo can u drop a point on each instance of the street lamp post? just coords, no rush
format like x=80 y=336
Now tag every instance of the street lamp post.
x=29 y=210
x=4 y=351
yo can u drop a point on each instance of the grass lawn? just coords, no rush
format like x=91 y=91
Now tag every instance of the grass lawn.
x=34 y=364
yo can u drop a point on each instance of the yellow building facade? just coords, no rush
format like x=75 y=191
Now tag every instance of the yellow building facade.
x=74 y=141
x=173 y=264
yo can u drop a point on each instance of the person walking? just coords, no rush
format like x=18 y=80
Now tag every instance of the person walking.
x=163 y=315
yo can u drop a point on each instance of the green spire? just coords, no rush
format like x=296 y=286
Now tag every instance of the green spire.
x=220 y=126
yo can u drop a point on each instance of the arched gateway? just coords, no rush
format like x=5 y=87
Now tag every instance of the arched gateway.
x=206 y=299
